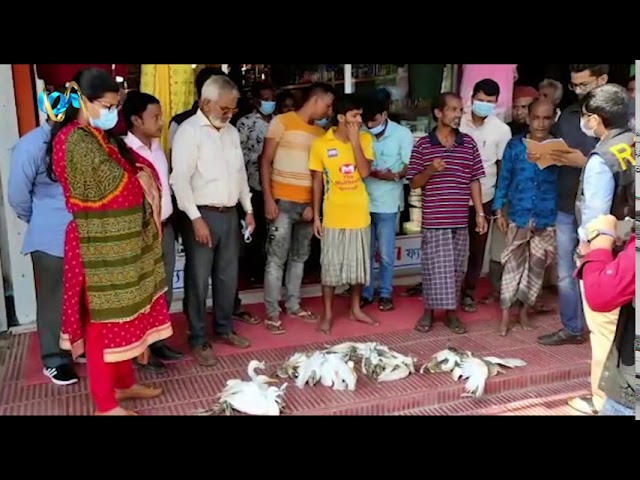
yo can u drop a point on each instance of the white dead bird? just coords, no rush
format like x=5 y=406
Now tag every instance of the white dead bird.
x=332 y=370
x=447 y=360
x=289 y=369
x=376 y=360
x=254 y=397
x=477 y=370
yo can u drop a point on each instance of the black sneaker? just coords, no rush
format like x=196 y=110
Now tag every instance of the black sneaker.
x=62 y=375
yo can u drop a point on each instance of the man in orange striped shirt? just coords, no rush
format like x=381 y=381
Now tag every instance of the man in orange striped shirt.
x=286 y=186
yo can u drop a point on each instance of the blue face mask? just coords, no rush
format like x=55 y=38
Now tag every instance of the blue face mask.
x=267 y=108
x=483 y=109
x=379 y=129
x=323 y=122
x=107 y=120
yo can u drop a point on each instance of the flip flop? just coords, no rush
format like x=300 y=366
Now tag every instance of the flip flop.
x=246 y=317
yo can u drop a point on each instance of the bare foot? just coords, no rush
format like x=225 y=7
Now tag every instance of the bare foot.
x=505 y=325
x=358 y=315
x=524 y=321
x=325 y=324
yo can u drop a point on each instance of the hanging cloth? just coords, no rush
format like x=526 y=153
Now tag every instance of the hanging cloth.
x=174 y=86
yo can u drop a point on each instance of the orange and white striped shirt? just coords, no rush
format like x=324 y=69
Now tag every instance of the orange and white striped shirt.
x=290 y=174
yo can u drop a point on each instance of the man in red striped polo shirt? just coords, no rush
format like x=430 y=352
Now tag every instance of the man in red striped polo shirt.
x=446 y=165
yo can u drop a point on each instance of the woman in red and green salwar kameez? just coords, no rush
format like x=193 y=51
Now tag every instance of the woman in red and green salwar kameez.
x=114 y=281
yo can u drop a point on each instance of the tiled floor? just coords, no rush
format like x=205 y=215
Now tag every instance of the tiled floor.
x=553 y=374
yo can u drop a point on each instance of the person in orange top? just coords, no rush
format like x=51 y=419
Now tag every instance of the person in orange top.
x=286 y=187
x=339 y=163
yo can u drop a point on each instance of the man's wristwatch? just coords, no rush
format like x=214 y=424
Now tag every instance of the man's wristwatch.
x=396 y=177
x=596 y=233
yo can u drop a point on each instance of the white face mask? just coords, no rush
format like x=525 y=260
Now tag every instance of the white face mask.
x=587 y=131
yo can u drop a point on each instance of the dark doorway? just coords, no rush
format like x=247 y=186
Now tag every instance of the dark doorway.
x=533 y=73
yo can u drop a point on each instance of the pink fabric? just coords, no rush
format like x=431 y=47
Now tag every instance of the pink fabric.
x=505 y=75
x=609 y=283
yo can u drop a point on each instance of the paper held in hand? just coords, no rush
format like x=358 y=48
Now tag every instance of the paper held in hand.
x=544 y=149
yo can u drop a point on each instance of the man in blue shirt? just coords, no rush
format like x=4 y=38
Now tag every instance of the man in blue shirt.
x=392 y=146
x=38 y=201
x=531 y=194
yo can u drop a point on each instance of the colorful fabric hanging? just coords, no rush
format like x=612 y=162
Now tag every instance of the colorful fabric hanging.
x=173 y=85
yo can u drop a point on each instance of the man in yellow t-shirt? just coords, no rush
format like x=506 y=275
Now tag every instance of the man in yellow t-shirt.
x=339 y=161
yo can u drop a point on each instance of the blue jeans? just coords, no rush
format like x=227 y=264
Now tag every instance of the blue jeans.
x=612 y=408
x=383 y=235
x=569 y=298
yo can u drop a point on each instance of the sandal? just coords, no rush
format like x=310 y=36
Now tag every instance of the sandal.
x=583 y=405
x=246 y=317
x=304 y=315
x=385 y=304
x=469 y=304
x=454 y=324
x=274 y=326
x=424 y=323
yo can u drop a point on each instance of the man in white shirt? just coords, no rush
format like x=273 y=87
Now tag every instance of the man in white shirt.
x=491 y=135
x=143 y=116
x=209 y=179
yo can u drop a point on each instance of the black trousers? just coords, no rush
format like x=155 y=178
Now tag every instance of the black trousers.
x=477 y=247
x=218 y=264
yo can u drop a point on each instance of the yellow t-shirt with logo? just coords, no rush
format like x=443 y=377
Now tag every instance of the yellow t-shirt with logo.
x=346 y=201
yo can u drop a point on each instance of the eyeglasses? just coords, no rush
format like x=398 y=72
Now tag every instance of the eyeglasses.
x=227 y=110
x=107 y=106
x=582 y=87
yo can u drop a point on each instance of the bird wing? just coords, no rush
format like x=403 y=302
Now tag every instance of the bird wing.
x=394 y=373
x=506 y=362
x=249 y=399
x=476 y=372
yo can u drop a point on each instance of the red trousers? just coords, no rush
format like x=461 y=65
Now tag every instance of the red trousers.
x=105 y=378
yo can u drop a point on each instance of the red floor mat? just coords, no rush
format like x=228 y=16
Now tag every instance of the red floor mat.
x=298 y=332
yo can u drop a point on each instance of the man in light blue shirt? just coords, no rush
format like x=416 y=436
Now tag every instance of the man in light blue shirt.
x=392 y=147
x=607 y=187
x=38 y=201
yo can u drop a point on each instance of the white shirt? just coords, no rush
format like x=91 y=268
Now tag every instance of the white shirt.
x=173 y=128
x=208 y=167
x=492 y=138
x=156 y=156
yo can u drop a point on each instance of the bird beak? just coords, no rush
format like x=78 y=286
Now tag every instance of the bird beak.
x=271 y=380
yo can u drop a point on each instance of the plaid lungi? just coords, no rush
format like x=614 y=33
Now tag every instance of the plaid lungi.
x=445 y=253
x=524 y=260
x=345 y=258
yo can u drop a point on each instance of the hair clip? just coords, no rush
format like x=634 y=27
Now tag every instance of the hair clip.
x=57 y=114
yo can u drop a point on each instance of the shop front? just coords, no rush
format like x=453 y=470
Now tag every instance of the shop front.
x=20 y=115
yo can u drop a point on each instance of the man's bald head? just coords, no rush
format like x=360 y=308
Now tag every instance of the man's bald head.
x=544 y=104
x=542 y=113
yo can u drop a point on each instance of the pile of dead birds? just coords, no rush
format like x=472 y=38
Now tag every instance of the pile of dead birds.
x=337 y=366
x=464 y=365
